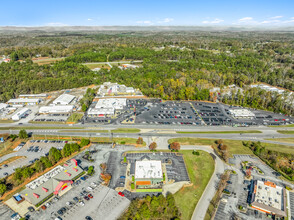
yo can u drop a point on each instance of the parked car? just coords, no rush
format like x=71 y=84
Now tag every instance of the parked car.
x=86 y=198
x=121 y=194
x=76 y=199
x=81 y=203
x=90 y=196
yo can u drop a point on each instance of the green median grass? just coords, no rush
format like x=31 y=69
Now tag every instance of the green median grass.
x=286 y=131
x=281 y=126
x=218 y=132
x=200 y=169
x=75 y=117
x=235 y=146
x=284 y=140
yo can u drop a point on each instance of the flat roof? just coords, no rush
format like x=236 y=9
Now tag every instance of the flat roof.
x=21 y=100
x=64 y=98
x=52 y=181
x=116 y=103
x=269 y=197
x=56 y=108
x=147 y=169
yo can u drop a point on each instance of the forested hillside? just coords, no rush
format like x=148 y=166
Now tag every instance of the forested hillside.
x=174 y=65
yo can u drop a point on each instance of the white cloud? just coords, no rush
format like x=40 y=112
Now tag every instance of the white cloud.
x=90 y=19
x=270 y=21
x=289 y=21
x=166 y=20
x=276 y=17
x=292 y=18
x=56 y=24
x=246 y=19
x=144 y=22
x=215 y=21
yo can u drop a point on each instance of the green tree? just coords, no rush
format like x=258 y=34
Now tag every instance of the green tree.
x=23 y=134
x=84 y=142
x=90 y=170
x=3 y=188
x=54 y=155
x=39 y=166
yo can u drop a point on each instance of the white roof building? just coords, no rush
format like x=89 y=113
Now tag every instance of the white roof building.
x=111 y=103
x=100 y=112
x=22 y=101
x=18 y=115
x=56 y=109
x=148 y=169
x=3 y=106
x=64 y=99
x=241 y=113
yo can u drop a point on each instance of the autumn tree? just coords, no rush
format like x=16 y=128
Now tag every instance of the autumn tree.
x=175 y=146
x=153 y=146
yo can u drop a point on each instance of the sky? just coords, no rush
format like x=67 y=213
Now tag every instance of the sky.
x=147 y=13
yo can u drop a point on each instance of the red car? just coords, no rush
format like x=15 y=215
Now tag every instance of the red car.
x=121 y=194
x=90 y=196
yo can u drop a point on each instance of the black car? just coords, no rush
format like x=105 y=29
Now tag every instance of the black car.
x=76 y=199
x=31 y=209
x=86 y=198
x=60 y=212
x=88 y=218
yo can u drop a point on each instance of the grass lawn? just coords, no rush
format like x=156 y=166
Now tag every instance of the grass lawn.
x=219 y=132
x=11 y=159
x=286 y=131
x=6 y=148
x=75 y=117
x=126 y=130
x=284 y=140
x=235 y=146
x=127 y=141
x=47 y=60
x=291 y=125
x=200 y=168
x=6 y=121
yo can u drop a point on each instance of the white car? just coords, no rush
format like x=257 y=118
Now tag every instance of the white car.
x=89 y=188
x=48 y=204
x=82 y=203
x=93 y=184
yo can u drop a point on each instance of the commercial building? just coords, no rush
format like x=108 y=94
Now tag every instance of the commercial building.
x=64 y=99
x=107 y=106
x=59 y=109
x=269 y=198
x=242 y=114
x=33 y=96
x=128 y=66
x=55 y=182
x=3 y=106
x=20 y=114
x=148 y=174
x=114 y=89
x=22 y=102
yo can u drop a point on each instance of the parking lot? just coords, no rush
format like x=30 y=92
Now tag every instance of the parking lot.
x=51 y=117
x=87 y=198
x=31 y=151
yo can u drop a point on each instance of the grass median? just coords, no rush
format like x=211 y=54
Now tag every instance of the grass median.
x=218 y=132
x=285 y=131
x=235 y=146
x=200 y=169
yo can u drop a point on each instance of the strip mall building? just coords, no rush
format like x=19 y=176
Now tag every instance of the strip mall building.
x=55 y=182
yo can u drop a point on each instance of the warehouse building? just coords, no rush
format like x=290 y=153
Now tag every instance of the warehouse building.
x=55 y=182
x=64 y=99
x=114 y=89
x=33 y=96
x=3 y=106
x=23 y=102
x=59 y=109
x=242 y=114
x=148 y=174
x=269 y=198
x=20 y=114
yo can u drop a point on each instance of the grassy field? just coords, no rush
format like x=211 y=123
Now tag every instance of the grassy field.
x=47 y=122
x=218 y=132
x=96 y=65
x=200 y=168
x=127 y=141
x=75 y=117
x=6 y=148
x=235 y=146
x=286 y=131
x=11 y=159
x=284 y=140
x=47 y=60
